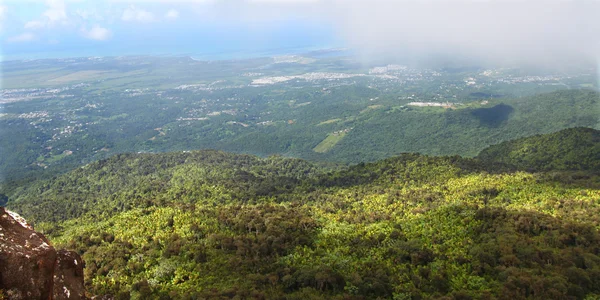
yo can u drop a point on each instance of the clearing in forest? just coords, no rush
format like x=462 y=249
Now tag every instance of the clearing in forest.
x=331 y=140
x=371 y=107
x=329 y=122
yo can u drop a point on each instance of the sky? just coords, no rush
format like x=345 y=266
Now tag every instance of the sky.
x=542 y=32
x=55 y=28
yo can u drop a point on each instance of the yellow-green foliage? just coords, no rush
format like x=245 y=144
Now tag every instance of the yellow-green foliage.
x=225 y=226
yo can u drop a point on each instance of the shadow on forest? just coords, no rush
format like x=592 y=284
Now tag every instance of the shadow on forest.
x=493 y=116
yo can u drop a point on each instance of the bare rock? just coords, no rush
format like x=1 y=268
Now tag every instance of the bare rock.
x=30 y=268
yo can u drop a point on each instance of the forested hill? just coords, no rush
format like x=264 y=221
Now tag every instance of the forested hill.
x=208 y=224
x=465 y=130
x=569 y=149
x=127 y=181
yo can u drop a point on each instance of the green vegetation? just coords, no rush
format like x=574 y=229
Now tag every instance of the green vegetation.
x=208 y=224
x=95 y=108
x=467 y=131
x=329 y=142
x=570 y=149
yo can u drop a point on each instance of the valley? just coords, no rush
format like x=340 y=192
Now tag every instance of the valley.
x=322 y=109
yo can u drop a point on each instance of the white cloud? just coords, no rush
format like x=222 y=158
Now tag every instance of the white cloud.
x=137 y=14
x=83 y=13
x=35 y=24
x=3 y=10
x=24 y=37
x=97 y=33
x=172 y=14
x=56 y=11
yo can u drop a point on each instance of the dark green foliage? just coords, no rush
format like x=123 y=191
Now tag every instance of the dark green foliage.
x=493 y=116
x=570 y=149
x=126 y=181
x=213 y=225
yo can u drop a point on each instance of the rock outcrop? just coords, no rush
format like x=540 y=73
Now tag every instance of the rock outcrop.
x=30 y=268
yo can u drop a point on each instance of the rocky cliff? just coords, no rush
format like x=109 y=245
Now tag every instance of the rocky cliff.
x=30 y=268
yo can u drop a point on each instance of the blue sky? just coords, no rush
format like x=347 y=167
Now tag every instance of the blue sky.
x=64 y=28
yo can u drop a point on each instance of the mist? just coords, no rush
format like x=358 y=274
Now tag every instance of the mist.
x=494 y=32
x=544 y=33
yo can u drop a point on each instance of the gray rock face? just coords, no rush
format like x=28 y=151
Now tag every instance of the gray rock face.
x=30 y=268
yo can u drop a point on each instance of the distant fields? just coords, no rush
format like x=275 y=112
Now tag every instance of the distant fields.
x=332 y=110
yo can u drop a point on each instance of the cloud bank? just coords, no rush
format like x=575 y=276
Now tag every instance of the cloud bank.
x=500 y=32
x=525 y=32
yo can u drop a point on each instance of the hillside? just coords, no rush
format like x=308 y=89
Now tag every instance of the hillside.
x=465 y=130
x=208 y=224
x=128 y=181
x=569 y=149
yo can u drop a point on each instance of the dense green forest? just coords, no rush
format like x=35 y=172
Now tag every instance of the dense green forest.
x=512 y=223
x=466 y=131
x=570 y=149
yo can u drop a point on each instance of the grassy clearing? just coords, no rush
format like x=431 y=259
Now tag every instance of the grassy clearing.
x=55 y=158
x=329 y=122
x=60 y=77
x=329 y=142
x=371 y=107
x=29 y=79
x=80 y=76
x=303 y=104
